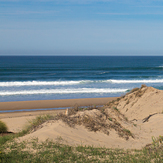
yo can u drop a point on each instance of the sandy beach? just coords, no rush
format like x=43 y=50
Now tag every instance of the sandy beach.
x=16 y=120
x=41 y=104
x=128 y=122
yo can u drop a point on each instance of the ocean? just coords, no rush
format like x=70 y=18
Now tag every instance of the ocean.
x=25 y=78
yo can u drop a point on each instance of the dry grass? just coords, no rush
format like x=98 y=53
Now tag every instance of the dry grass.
x=138 y=91
x=37 y=122
x=97 y=119
x=134 y=90
x=134 y=93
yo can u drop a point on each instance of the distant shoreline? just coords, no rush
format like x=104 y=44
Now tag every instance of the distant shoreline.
x=43 y=104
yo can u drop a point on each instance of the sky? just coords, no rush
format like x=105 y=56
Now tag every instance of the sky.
x=81 y=27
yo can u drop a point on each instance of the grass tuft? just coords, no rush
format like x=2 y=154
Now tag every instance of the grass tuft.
x=134 y=90
x=3 y=127
x=115 y=108
x=35 y=123
x=128 y=132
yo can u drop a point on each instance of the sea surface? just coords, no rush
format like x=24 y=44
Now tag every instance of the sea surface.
x=66 y=77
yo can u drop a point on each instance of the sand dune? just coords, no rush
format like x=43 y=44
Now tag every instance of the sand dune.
x=139 y=111
x=141 y=103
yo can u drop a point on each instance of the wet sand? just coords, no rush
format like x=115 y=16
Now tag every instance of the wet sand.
x=41 y=104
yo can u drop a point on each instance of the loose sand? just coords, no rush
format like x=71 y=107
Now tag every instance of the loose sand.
x=142 y=107
x=17 y=120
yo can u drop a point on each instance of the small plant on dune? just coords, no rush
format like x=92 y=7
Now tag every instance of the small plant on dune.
x=110 y=103
x=127 y=102
x=128 y=132
x=102 y=110
x=118 y=99
x=134 y=90
x=143 y=85
x=76 y=108
x=126 y=118
x=157 y=141
x=115 y=108
x=135 y=125
x=3 y=127
x=35 y=123
x=110 y=119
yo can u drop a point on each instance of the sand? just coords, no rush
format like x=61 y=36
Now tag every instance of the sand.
x=142 y=107
x=17 y=120
x=19 y=105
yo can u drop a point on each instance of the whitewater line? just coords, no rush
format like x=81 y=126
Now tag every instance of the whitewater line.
x=136 y=81
x=37 y=83
x=61 y=91
x=57 y=83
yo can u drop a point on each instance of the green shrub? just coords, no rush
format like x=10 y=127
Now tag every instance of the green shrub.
x=3 y=127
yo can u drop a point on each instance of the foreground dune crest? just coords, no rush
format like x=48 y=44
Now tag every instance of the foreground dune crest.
x=140 y=103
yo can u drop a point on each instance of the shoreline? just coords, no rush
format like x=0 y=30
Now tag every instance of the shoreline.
x=45 y=104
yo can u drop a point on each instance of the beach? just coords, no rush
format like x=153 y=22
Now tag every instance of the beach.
x=42 y=104
x=133 y=119
x=17 y=119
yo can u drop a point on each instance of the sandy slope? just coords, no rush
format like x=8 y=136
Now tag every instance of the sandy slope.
x=142 y=103
x=136 y=105
x=17 y=121
x=59 y=131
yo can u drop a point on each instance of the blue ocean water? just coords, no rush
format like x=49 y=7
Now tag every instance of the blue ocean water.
x=65 y=77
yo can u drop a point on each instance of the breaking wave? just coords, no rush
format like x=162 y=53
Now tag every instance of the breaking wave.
x=61 y=91
x=55 y=83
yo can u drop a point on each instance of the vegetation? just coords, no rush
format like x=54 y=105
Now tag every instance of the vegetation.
x=33 y=125
x=99 y=119
x=50 y=151
x=3 y=127
x=115 y=108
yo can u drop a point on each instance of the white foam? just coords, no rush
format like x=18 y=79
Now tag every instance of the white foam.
x=136 y=81
x=61 y=91
x=55 y=83
x=37 y=83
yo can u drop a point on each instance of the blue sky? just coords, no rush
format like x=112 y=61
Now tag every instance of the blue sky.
x=81 y=27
